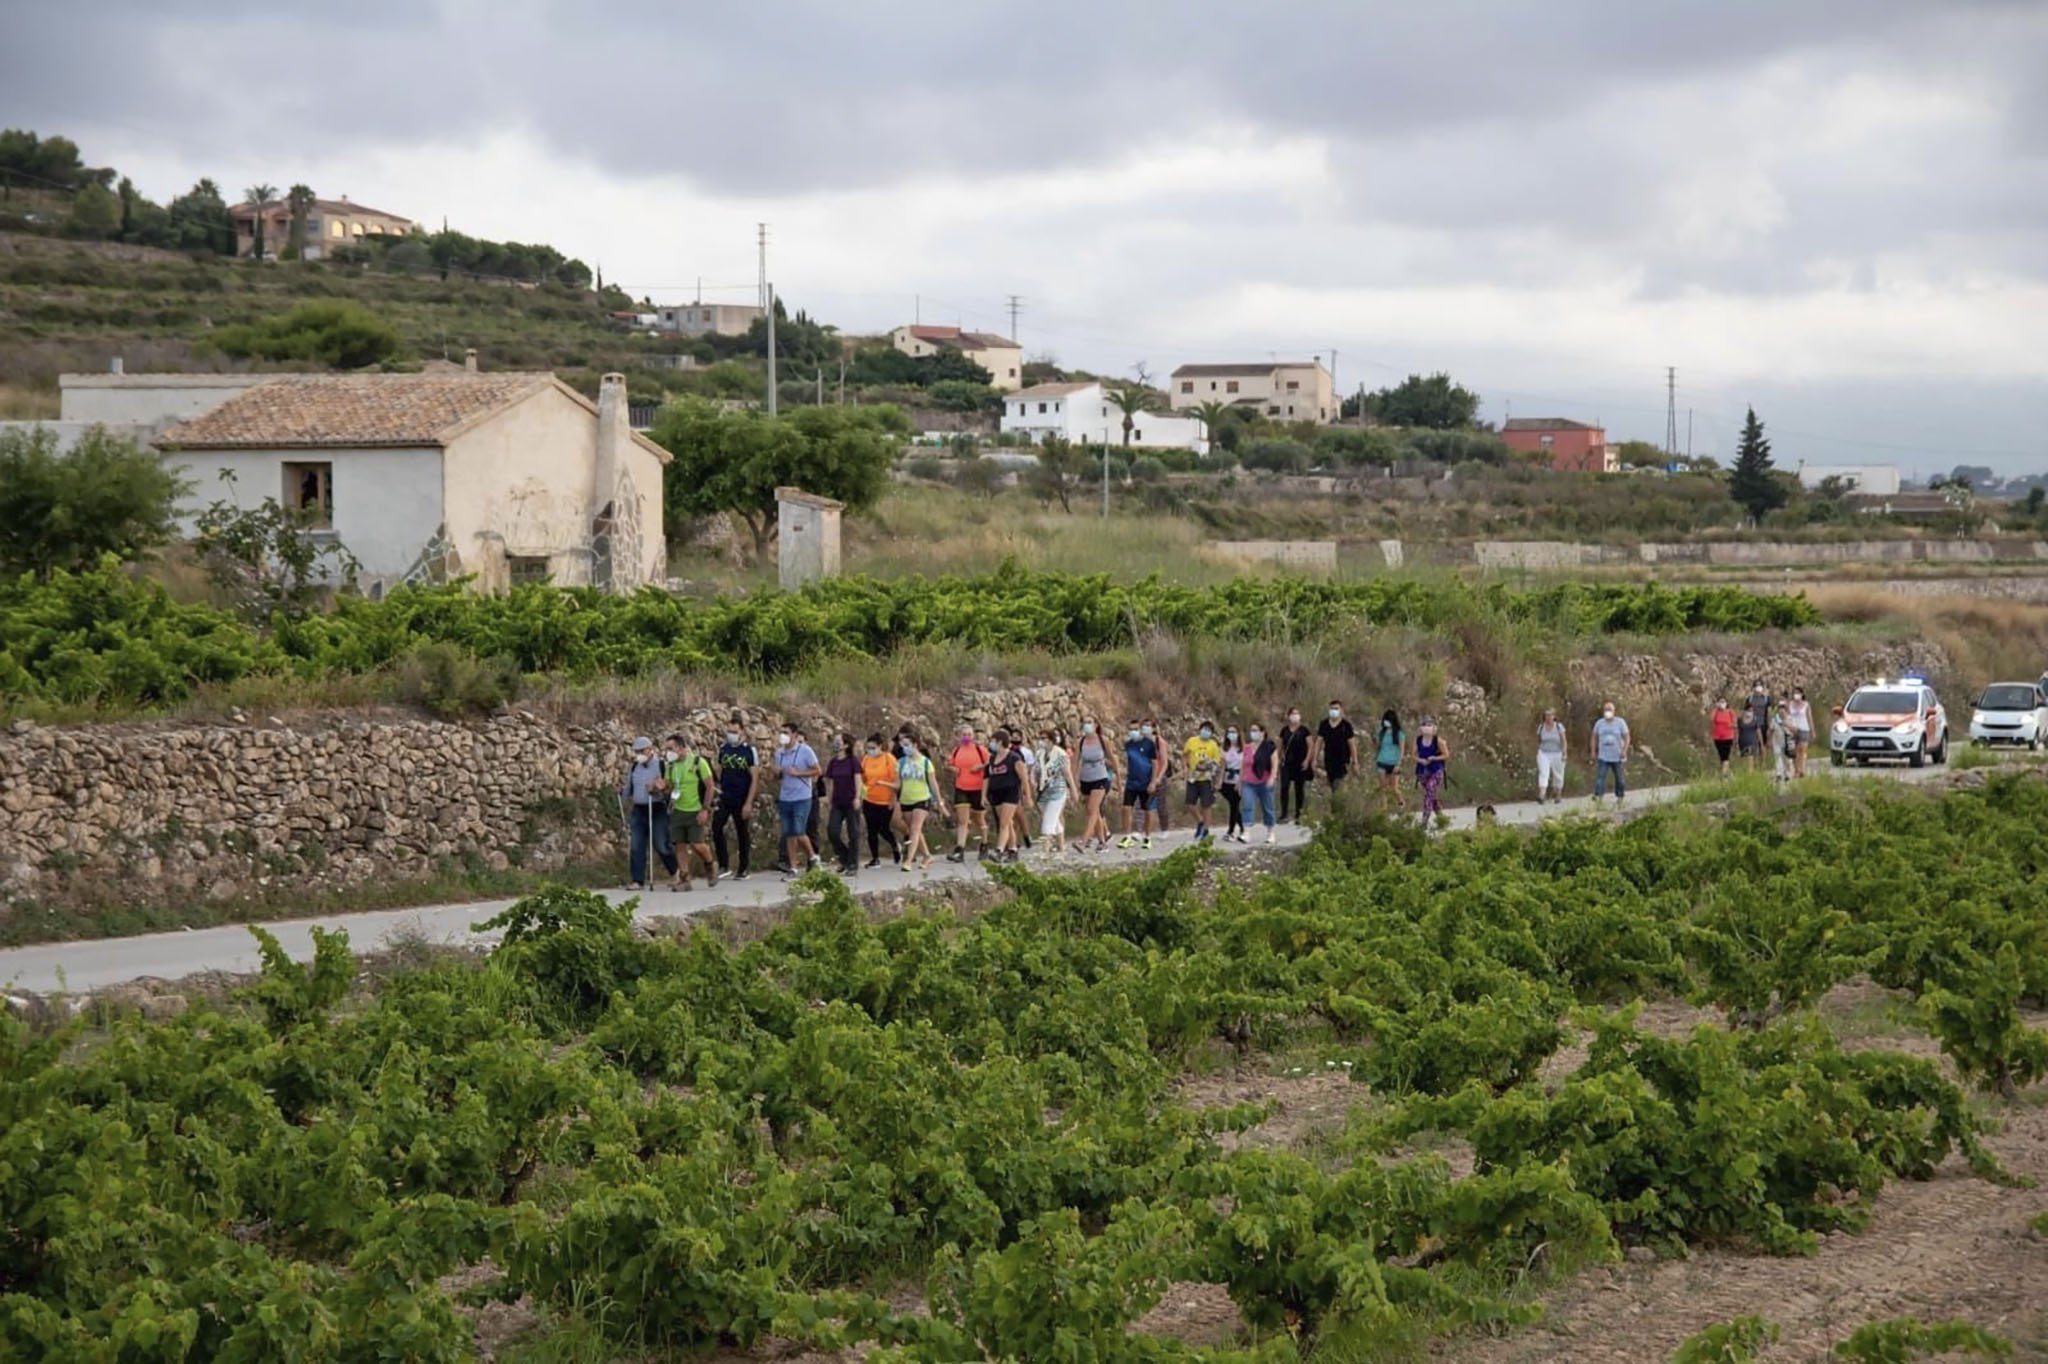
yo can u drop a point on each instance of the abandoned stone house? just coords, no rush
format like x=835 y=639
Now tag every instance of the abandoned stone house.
x=509 y=477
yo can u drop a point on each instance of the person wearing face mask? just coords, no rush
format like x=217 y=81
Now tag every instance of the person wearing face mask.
x=690 y=787
x=797 y=771
x=1336 y=747
x=842 y=826
x=1753 y=723
x=643 y=794
x=739 y=780
x=1610 y=754
x=1261 y=768
x=1233 y=784
x=1009 y=786
x=1055 y=776
x=1205 y=767
x=917 y=795
x=1297 y=746
x=1030 y=761
x=1141 y=782
x=1432 y=755
x=1799 y=719
x=969 y=761
x=1096 y=767
x=1388 y=751
x=879 y=783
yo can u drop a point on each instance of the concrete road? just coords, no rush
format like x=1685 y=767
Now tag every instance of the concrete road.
x=78 y=967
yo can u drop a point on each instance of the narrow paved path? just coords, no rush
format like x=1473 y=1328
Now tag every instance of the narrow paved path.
x=77 y=967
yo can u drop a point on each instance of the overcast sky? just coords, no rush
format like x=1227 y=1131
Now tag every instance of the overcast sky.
x=1834 y=209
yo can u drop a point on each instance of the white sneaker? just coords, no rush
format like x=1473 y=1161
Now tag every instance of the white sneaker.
x=1272 y=837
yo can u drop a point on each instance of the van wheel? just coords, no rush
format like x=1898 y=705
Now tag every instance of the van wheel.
x=1834 y=759
x=1941 y=754
x=1919 y=757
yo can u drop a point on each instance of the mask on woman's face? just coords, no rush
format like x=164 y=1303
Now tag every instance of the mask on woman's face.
x=1257 y=735
x=1293 y=717
x=1148 y=731
x=1230 y=734
x=1208 y=733
x=1087 y=726
x=874 y=751
x=1608 y=713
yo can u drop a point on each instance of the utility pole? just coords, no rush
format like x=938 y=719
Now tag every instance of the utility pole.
x=821 y=385
x=1016 y=306
x=842 y=381
x=1688 y=433
x=768 y=318
x=1333 y=382
x=1105 y=480
x=1671 y=411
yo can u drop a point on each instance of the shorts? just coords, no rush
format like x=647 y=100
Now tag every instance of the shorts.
x=1724 y=747
x=796 y=817
x=1387 y=769
x=1201 y=793
x=1089 y=788
x=970 y=799
x=1136 y=795
x=1002 y=796
x=689 y=826
x=1749 y=741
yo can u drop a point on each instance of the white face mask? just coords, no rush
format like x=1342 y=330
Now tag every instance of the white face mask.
x=1208 y=733
x=1608 y=714
x=1148 y=731
x=1336 y=714
x=1230 y=734
x=1294 y=717
x=1134 y=732
x=782 y=741
x=732 y=736
x=1087 y=726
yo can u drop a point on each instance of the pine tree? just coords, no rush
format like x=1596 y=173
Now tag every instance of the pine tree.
x=1752 y=482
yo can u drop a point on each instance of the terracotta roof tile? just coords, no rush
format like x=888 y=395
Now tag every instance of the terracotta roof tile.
x=302 y=411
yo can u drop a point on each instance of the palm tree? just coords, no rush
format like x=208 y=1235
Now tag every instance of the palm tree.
x=259 y=196
x=300 y=198
x=1132 y=400
x=1211 y=414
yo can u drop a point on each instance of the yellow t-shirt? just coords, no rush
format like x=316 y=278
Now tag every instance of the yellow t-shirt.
x=1205 y=759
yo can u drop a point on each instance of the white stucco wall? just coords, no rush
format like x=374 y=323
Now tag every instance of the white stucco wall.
x=146 y=399
x=387 y=503
x=520 y=484
x=1088 y=415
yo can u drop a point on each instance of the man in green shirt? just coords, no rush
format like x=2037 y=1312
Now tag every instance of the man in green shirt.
x=690 y=787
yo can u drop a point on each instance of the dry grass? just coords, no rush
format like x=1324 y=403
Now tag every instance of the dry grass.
x=27 y=403
x=1986 y=638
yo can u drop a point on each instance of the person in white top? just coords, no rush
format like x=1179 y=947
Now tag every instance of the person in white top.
x=1799 y=719
x=1551 y=747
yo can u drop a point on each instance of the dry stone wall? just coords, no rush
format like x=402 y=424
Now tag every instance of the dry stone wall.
x=162 y=813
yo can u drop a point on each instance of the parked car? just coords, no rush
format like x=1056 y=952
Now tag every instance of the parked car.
x=2011 y=713
x=1902 y=719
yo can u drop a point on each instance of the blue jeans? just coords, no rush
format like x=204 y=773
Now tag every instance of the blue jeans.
x=796 y=817
x=1258 y=803
x=1601 y=772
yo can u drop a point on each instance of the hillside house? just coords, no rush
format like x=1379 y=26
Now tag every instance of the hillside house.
x=329 y=223
x=1000 y=356
x=706 y=319
x=1083 y=413
x=1565 y=445
x=510 y=477
x=1287 y=391
x=1874 y=480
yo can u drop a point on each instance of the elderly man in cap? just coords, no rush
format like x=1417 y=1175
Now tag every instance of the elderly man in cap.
x=643 y=796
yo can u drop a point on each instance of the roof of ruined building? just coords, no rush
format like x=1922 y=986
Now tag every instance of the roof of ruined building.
x=316 y=411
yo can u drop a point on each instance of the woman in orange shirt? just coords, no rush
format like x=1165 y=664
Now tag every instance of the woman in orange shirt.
x=1724 y=733
x=878 y=786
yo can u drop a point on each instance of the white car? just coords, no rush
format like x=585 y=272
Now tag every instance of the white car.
x=2011 y=713
x=1902 y=719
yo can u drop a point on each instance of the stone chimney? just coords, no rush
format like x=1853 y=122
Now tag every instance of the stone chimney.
x=115 y=366
x=614 y=430
x=469 y=359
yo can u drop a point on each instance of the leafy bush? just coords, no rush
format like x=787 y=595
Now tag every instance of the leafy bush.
x=100 y=637
x=107 y=495
x=452 y=682
x=1903 y=1339
x=332 y=332
x=1727 y=1342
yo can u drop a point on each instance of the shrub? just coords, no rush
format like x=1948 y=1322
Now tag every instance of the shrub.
x=451 y=682
x=335 y=333
x=64 y=511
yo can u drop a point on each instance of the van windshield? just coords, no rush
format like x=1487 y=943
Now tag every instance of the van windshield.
x=2007 y=696
x=1871 y=701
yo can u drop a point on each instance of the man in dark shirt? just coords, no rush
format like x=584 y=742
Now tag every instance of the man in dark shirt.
x=1336 y=750
x=738 y=777
x=1296 y=747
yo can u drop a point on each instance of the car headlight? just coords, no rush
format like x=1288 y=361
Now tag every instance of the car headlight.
x=1906 y=727
x=1976 y=717
x=1841 y=726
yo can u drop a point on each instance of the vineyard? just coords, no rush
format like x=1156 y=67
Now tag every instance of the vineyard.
x=106 y=639
x=655 y=1143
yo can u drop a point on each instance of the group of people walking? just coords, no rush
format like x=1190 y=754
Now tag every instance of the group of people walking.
x=688 y=806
